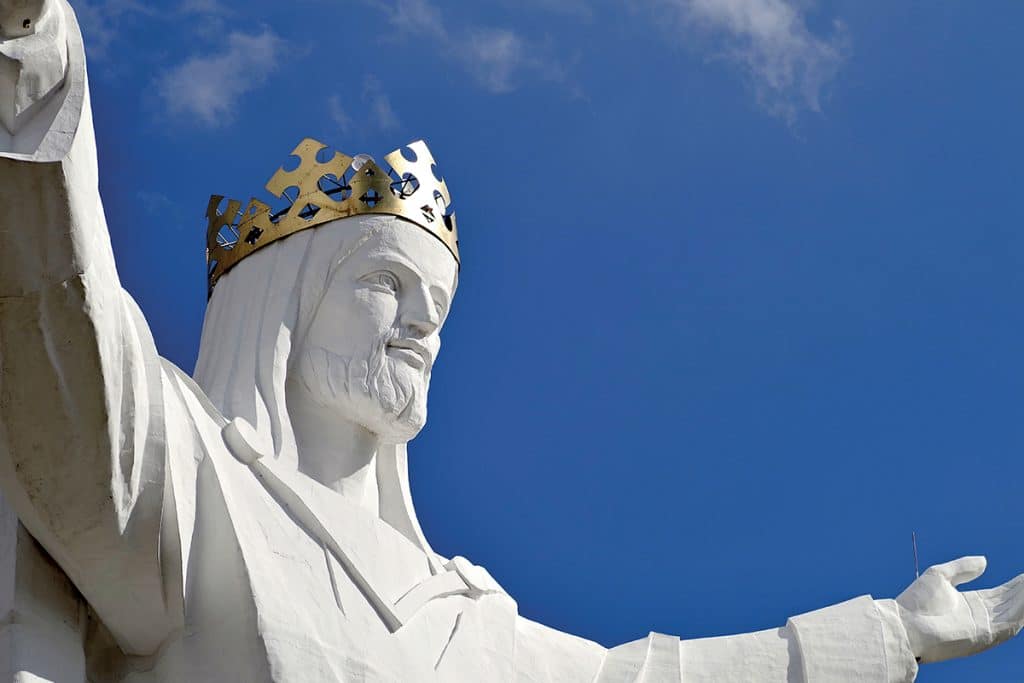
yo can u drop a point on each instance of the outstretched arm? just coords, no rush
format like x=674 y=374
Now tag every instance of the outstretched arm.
x=82 y=435
x=858 y=640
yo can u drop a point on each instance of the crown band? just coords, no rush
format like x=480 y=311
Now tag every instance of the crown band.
x=319 y=192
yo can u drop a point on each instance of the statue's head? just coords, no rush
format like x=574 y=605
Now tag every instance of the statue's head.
x=331 y=306
x=370 y=343
x=345 y=318
x=334 y=302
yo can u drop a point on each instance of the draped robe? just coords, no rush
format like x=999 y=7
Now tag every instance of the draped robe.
x=182 y=541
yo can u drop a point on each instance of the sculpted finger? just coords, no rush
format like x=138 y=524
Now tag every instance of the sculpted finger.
x=960 y=571
x=1008 y=605
x=997 y=595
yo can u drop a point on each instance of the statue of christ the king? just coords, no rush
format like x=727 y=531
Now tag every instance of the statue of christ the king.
x=254 y=522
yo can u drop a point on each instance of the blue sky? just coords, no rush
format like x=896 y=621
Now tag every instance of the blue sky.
x=740 y=299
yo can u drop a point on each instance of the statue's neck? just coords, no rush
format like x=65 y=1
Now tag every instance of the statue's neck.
x=339 y=454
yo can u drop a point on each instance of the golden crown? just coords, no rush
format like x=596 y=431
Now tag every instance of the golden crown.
x=321 y=191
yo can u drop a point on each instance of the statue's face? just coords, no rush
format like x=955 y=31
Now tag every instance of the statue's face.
x=372 y=342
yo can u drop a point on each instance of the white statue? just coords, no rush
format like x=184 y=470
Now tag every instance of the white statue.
x=255 y=523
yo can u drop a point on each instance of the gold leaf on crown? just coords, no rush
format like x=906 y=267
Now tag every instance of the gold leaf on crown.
x=318 y=192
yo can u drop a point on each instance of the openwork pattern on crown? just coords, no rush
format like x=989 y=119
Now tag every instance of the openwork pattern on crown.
x=326 y=187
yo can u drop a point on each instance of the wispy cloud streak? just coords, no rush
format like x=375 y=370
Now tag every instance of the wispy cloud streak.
x=498 y=59
x=101 y=21
x=379 y=103
x=339 y=115
x=786 y=64
x=208 y=88
x=374 y=100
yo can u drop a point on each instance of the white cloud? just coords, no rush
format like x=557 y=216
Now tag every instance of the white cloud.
x=497 y=58
x=494 y=56
x=207 y=18
x=160 y=208
x=101 y=21
x=338 y=114
x=154 y=203
x=769 y=40
x=209 y=88
x=375 y=101
x=579 y=9
x=204 y=7
x=380 y=105
x=417 y=17
x=500 y=59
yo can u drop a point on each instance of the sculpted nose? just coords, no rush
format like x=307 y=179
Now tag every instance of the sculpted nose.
x=420 y=328
x=420 y=317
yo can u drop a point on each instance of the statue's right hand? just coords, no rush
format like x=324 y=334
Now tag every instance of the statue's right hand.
x=943 y=623
x=18 y=18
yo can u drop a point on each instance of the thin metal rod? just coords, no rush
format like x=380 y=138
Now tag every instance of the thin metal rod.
x=917 y=567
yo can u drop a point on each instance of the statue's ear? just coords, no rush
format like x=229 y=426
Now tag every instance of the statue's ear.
x=396 y=506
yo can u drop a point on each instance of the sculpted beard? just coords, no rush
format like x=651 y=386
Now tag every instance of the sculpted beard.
x=384 y=395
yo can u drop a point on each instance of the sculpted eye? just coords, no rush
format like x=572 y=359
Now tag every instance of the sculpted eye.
x=383 y=279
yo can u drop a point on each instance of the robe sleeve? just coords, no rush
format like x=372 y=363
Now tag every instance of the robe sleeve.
x=858 y=640
x=86 y=405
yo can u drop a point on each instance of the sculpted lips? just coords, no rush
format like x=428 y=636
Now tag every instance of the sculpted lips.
x=413 y=351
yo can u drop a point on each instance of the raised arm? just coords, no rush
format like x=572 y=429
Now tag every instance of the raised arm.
x=82 y=423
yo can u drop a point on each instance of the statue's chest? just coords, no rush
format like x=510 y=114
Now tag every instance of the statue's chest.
x=332 y=595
